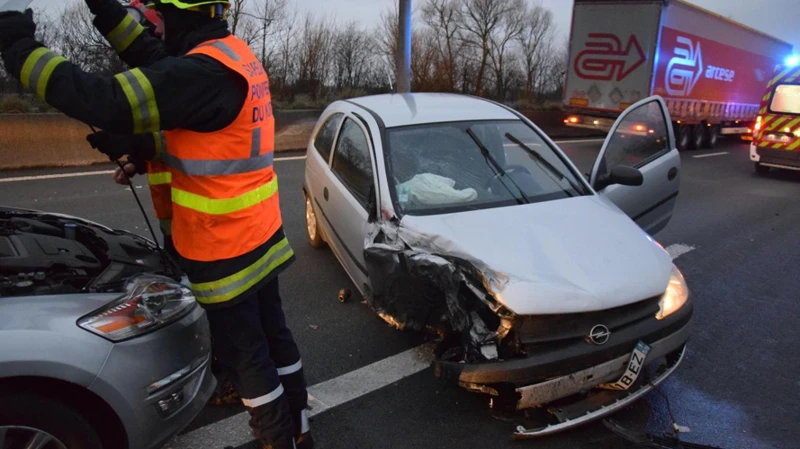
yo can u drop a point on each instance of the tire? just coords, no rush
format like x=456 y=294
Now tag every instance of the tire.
x=710 y=137
x=23 y=414
x=697 y=137
x=761 y=169
x=684 y=137
x=312 y=225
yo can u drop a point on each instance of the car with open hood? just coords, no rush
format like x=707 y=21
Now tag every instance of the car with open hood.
x=101 y=343
x=546 y=288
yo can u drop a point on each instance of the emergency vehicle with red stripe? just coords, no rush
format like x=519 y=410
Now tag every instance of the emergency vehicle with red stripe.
x=776 y=135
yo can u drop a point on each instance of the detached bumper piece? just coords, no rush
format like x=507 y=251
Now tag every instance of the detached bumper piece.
x=596 y=403
x=646 y=440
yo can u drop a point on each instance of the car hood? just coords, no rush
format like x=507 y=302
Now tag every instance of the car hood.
x=576 y=255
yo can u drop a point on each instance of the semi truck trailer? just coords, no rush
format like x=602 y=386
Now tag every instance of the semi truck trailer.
x=710 y=70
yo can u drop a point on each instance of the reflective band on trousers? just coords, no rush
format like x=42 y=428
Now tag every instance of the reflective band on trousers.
x=236 y=284
x=161 y=144
x=124 y=34
x=38 y=68
x=291 y=369
x=223 y=47
x=142 y=98
x=155 y=179
x=222 y=206
x=263 y=400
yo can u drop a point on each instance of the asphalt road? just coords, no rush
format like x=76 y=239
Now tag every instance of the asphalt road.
x=737 y=388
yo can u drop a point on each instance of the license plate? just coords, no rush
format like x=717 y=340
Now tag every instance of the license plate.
x=633 y=369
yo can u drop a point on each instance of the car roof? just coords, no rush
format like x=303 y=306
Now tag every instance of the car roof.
x=420 y=108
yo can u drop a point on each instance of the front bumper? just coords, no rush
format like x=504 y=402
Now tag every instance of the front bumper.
x=568 y=374
x=179 y=355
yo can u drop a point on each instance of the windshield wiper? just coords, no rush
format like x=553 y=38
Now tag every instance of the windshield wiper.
x=544 y=162
x=522 y=198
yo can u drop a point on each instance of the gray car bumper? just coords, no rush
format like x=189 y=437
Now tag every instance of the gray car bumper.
x=178 y=358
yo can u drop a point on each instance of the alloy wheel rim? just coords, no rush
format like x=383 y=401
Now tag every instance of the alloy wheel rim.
x=311 y=220
x=23 y=437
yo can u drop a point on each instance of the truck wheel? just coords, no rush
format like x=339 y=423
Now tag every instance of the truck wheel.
x=697 y=137
x=710 y=137
x=684 y=134
x=33 y=421
x=761 y=169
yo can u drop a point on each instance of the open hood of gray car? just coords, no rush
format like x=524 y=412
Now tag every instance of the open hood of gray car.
x=567 y=256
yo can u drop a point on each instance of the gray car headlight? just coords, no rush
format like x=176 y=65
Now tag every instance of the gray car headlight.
x=150 y=302
x=675 y=296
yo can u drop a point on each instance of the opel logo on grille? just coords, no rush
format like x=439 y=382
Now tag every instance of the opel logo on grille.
x=599 y=335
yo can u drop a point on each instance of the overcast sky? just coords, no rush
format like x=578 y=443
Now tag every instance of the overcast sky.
x=780 y=18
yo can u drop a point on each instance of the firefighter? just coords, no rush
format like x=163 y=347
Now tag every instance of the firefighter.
x=158 y=175
x=209 y=94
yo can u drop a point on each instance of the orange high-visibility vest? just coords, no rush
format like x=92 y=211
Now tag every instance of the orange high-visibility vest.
x=224 y=189
x=159 y=179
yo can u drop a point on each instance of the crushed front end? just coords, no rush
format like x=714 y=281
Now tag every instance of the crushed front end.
x=550 y=372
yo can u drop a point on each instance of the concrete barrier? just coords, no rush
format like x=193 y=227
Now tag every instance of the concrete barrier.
x=55 y=140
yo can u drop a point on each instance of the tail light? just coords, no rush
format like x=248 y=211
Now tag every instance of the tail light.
x=758 y=123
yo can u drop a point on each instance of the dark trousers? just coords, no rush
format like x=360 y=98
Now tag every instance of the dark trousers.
x=253 y=345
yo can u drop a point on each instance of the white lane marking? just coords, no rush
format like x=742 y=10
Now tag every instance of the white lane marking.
x=700 y=156
x=103 y=172
x=323 y=396
x=679 y=249
x=235 y=431
x=58 y=175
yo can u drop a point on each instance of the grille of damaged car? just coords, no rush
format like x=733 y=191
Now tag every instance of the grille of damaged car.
x=46 y=254
x=543 y=329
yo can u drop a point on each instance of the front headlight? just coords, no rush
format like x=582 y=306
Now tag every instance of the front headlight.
x=150 y=302
x=675 y=297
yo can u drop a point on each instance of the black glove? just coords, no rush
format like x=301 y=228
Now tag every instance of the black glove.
x=98 y=7
x=113 y=146
x=15 y=26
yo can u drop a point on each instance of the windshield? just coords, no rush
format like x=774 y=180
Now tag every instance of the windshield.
x=786 y=99
x=452 y=167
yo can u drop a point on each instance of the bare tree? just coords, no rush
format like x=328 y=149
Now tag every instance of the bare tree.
x=512 y=24
x=353 y=49
x=442 y=16
x=77 y=40
x=235 y=15
x=536 y=47
x=479 y=21
x=313 y=54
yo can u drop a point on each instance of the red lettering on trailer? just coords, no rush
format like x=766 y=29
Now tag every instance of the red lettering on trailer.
x=605 y=59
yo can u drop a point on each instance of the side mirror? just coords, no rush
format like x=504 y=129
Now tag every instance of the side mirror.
x=621 y=174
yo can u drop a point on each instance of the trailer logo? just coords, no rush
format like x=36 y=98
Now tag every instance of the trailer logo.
x=684 y=69
x=605 y=59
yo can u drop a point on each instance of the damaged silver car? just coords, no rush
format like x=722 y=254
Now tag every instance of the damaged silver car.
x=459 y=215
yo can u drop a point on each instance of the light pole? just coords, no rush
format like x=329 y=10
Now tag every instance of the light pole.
x=403 y=57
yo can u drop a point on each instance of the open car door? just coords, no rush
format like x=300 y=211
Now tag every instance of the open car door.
x=642 y=138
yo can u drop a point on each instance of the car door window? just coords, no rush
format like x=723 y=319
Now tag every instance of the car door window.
x=352 y=163
x=640 y=138
x=324 y=140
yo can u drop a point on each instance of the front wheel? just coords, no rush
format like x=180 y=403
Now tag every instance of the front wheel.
x=312 y=225
x=28 y=421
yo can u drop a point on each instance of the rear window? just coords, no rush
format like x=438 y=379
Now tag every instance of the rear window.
x=786 y=99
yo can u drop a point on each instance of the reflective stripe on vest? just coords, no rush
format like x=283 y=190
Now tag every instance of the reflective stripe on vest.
x=38 y=68
x=224 y=188
x=236 y=284
x=159 y=179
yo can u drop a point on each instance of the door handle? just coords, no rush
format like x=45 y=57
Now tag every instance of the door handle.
x=325 y=192
x=673 y=172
